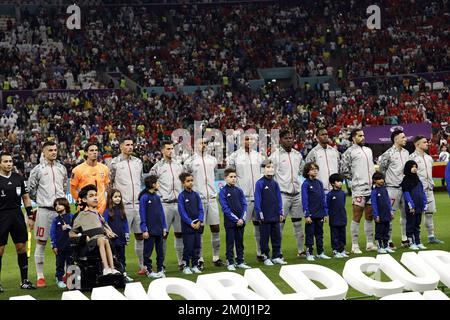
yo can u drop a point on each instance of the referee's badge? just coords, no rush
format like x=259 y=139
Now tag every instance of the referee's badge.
x=18 y=191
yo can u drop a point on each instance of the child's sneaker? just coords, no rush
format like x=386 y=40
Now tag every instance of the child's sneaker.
x=344 y=254
x=127 y=278
x=152 y=275
x=243 y=266
x=107 y=271
x=187 y=270
x=413 y=246
x=196 y=270
x=355 y=249
x=279 y=261
x=371 y=247
x=338 y=255
x=382 y=250
x=231 y=267
x=310 y=257
x=389 y=250
x=267 y=262
x=323 y=256
x=27 y=285
x=115 y=271
x=421 y=246
x=160 y=274
x=61 y=285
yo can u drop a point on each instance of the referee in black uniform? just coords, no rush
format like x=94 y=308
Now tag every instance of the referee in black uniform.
x=12 y=221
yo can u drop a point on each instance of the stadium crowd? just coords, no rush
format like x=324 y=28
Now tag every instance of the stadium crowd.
x=193 y=45
x=24 y=125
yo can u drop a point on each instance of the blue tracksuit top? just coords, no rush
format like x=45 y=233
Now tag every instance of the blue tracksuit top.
x=381 y=203
x=58 y=236
x=416 y=199
x=313 y=199
x=234 y=205
x=190 y=208
x=268 y=202
x=152 y=215
x=117 y=225
x=336 y=208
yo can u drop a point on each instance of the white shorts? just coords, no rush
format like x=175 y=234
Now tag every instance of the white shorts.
x=361 y=201
x=431 y=202
x=396 y=196
x=292 y=206
x=172 y=216
x=133 y=217
x=44 y=218
x=211 y=210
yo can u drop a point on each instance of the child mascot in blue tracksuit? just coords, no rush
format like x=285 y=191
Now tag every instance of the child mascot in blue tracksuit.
x=337 y=216
x=415 y=204
x=234 y=208
x=382 y=212
x=315 y=209
x=116 y=218
x=59 y=235
x=191 y=212
x=269 y=211
x=153 y=226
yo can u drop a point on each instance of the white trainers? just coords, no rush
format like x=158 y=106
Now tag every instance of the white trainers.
x=371 y=247
x=389 y=250
x=231 y=267
x=152 y=275
x=279 y=261
x=414 y=247
x=344 y=254
x=107 y=271
x=195 y=270
x=187 y=270
x=421 y=246
x=243 y=266
x=323 y=256
x=355 y=249
x=382 y=250
x=160 y=274
x=310 y=257
x=338 y=255
x=267 y=262
x=115 y=271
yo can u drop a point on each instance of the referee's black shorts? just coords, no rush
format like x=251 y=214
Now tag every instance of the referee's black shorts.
x=13 y=222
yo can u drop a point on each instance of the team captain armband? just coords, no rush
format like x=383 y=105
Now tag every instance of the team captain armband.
x=31 y=213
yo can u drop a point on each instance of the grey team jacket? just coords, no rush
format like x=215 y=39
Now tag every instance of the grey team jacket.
x=287 y=165
x=203 y=170
x=127 y=177
x=46 y=183
x=391 y=164
x=425 y=169
x=357 y=166
x=248 y=170
x=168 y=177
x=328 y=162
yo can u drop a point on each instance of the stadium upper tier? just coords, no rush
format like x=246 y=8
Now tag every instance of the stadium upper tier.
x=224 y=43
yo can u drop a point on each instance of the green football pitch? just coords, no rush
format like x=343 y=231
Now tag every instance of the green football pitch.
x=10 y=278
